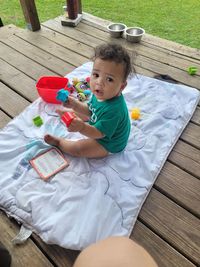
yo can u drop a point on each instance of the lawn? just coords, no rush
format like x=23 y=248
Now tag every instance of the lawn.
x=178 y=20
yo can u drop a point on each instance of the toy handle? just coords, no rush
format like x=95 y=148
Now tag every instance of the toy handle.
x=67 y=118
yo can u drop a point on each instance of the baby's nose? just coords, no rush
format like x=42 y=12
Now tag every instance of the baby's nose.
x=100 y=81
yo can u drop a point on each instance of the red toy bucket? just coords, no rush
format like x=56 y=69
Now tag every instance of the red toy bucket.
x=48 y=86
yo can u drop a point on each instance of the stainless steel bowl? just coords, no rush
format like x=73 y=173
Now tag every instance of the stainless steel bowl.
x=134 y=34
x=116 y=29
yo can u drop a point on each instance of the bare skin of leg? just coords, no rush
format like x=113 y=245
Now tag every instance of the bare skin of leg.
x=87 y=148
x=115 y=252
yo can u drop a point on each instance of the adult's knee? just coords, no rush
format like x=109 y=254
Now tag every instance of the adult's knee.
x=115 y=252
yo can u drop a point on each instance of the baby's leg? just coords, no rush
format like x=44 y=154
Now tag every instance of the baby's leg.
x=87 y=148
x=52 y=140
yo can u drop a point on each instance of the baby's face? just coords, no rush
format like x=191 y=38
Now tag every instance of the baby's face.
x=107 y=79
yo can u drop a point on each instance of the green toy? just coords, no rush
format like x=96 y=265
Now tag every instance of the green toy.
x=37 y=121
x=192 y=70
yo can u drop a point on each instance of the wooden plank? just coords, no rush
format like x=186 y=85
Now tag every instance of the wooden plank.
x=154 y=52
x=56 y=65
x=193 y=53
x=97 y=30
x=4 y=119
x=161 y=251
x=30 y=14
x=196 y=116
x=181 y=187
x=26 y=254
x=159 y=67
x=175 y=225
x=21 y=83
x=72 y=33
x=67 y=42
x=191 y=135
x=53 y=49
x=11 y=102
x=186 y=157
x=167 y=57
x=144 y=72
x=60 y=256
x=149 y=61
x=22 y=63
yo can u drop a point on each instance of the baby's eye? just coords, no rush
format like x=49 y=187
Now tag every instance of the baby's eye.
x=95 y=75
x=109 y=79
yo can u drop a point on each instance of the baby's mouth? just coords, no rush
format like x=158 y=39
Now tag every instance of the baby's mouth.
x=98 y=92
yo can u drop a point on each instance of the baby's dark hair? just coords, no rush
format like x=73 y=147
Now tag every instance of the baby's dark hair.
x=114 y=52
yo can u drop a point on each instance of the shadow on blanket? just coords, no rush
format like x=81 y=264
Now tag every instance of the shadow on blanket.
x=165 y=78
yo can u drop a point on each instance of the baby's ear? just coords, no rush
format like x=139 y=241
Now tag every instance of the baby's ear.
x=124 y=84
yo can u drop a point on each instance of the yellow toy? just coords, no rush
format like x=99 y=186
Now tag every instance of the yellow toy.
x=75 y=81
x=135 y=114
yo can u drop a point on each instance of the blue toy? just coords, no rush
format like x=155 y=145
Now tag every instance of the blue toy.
x=87 y=92
x=62 y=95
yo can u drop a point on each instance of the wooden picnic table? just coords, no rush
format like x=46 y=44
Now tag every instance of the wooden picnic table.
x=168 y=225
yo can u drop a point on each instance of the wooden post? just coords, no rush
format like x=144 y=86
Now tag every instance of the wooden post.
x=74 y=11
x=30 y=14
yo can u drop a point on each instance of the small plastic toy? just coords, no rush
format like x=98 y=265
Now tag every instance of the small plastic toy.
x=87 y=92
x=67 y=118
x=87 y=80
x=53 y=89
x=81 y=97
x=70 y=88
x=48 y=86
x=62 y=95
x=82 y=87
x=37 y=121
x=192 y=70
x=135 y=114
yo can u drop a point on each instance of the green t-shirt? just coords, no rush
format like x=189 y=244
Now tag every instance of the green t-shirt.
x=111 y=118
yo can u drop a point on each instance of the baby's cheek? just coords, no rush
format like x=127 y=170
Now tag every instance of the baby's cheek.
x=91 y=83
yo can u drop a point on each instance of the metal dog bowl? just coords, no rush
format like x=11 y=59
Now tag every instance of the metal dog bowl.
x=134 y=34
x=116 y=29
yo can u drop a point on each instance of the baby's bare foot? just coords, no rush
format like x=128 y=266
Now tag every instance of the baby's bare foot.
x=51 y=140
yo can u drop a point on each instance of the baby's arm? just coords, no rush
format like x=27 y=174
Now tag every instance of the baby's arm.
x=77 y=106
x=78 y=125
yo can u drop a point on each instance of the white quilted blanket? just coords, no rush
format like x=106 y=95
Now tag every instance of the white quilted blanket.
x=91 y=199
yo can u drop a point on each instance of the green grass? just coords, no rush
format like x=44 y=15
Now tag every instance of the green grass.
x=176 y=20
x=11 y=11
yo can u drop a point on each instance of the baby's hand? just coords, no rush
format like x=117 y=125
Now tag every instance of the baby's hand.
x=70 y=103
x=76 y=125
